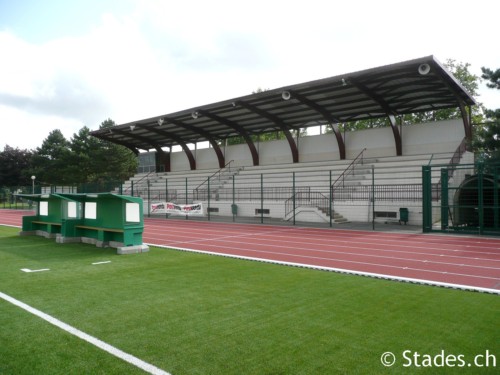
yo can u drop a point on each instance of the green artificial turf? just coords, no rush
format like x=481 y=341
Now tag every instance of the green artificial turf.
x=190 y=313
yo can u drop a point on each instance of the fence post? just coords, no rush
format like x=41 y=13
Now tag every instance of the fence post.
x=166 y=196
x=149 y=197
x=132 y=188
x=480 y=187
x=166 y=190
x=495 y=199
x=444 y=199
x=373 y=197
x=262 y=198
x=426 y=199
x=208 y=199
x=330 y=203
x=186 y=194
x=234 y=200
x=293 y=196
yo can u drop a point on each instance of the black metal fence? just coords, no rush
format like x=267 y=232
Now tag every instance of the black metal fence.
x=367 y=195
x=9 y=198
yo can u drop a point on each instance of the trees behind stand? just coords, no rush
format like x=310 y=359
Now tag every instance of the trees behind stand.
x=83 y=159
x=487 y=142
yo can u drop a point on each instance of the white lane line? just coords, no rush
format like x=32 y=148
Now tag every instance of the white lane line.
x=228 y=236
x=84 y=336
x=103 y=262
x=40 y=270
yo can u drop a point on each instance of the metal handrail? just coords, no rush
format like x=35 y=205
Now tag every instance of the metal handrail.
x=430 y=160
x=452 y=165
x=462 y=147
x=217 y=172
x=349 y=167
x=138 y=181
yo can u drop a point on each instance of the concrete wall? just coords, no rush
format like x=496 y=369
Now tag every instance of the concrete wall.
x=206 y=158
x=429 y=138
x=442 y=136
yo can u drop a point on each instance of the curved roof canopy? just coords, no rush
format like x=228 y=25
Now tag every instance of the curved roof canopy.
x=417 y=85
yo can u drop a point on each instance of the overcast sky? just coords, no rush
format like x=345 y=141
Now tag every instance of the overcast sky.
x=68 y=64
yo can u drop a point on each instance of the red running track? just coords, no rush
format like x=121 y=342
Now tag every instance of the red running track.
x=467 y=262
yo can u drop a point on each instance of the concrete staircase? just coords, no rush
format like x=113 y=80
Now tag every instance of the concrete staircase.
x=336 y=218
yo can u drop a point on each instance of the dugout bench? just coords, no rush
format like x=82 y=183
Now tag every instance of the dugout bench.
x=104 y=219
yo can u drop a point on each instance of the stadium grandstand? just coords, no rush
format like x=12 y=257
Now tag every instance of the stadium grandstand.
x=337 y=176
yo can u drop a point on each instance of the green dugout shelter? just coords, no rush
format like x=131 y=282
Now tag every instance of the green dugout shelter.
x=51 y=209
x=103 y=219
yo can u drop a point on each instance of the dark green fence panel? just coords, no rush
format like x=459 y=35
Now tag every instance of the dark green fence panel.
x=461 y=199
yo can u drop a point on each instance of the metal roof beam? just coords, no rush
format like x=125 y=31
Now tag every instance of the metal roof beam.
x=136 y=136
x=326 y=115
x=164 y=158
x=189 y=154
x=284 y=128
x=121 y=143
x=387 y=109
x=220 y=156
x=239 y=129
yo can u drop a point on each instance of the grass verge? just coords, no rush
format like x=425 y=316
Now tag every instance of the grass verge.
x=198 y=314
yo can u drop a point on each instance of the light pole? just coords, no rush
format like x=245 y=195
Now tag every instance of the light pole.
x=33 y=184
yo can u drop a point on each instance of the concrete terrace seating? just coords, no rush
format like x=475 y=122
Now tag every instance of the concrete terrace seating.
x=174 y=182
x=388 y=170
x=397 y=179
x=277 y=181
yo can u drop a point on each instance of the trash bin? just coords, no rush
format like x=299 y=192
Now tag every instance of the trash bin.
x=403 y=215
x=234 y=209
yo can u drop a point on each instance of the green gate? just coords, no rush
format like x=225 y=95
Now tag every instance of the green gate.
x=461 y=198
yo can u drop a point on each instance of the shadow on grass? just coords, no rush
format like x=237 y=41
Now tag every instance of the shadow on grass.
x=41 y=248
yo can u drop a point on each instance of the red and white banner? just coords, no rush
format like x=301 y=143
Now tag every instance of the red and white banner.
x=177 y=209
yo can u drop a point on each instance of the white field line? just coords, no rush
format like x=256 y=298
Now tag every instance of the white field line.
x=292 y=255
x=84 y=336
x=40 y=270
x=340 y=270
x=103 y=262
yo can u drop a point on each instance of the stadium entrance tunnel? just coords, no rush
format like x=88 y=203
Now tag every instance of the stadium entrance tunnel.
x=476 y=202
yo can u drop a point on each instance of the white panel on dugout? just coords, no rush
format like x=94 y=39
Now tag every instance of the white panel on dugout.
x=90 y=210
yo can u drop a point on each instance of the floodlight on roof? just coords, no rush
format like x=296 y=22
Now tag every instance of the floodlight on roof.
x=424 y=69
x=195 y=114
x=132 y=127
x=286 y=95
x=160 y=121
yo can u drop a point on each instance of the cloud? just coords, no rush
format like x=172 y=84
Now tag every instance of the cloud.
x=64 y=95
x=81 y=80
x=25 y=130
x=159 y=57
